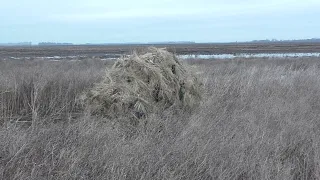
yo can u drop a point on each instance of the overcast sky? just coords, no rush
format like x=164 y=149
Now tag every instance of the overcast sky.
x=110 y=21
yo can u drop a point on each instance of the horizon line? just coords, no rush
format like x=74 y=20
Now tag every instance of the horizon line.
x=155 y=42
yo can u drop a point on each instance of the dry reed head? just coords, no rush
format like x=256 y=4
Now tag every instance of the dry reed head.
x=144 y=84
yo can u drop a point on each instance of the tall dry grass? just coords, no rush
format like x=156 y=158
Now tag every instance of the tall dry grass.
x=259 y=120
x=35 y=89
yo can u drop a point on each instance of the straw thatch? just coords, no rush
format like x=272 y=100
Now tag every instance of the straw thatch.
x=144 y=84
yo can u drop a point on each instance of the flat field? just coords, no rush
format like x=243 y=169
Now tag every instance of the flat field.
x=259 y=119
x=180 y=49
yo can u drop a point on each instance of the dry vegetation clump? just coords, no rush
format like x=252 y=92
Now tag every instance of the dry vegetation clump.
x=143 y=84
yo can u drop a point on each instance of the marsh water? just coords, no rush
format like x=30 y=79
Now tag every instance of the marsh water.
x=188 y=56
x=260 y=55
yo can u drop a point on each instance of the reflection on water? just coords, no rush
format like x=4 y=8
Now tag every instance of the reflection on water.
x=261 y=55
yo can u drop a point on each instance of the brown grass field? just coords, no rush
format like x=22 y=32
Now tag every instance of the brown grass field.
x=259 y=119
x=180 y=49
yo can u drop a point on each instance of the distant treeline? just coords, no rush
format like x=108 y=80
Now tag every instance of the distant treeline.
x=54 y=44
x=313 y=40
x=148 y=43
x=16 y=44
